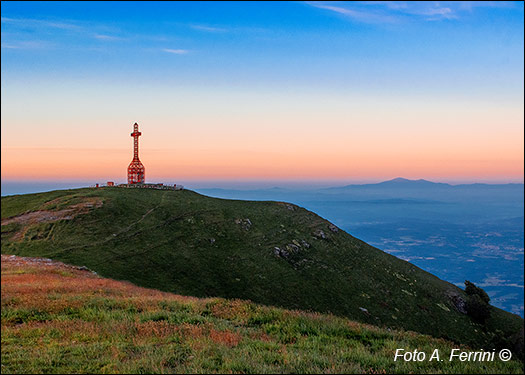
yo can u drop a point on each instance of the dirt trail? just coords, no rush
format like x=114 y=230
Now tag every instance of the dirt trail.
x=128 y=228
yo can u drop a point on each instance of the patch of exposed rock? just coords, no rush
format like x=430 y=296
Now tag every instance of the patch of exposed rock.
x=333 y=228
x=288 y=206
x=458 y=301
x=287 y=250
x=244 y=223
x=320 y=234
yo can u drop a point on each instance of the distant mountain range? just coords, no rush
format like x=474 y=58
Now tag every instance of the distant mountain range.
x=421 y=183
x=397 y=188
x=395 y=183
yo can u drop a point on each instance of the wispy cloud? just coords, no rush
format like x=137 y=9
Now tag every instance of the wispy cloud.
x=22 y=28
x=39 y=23
x=363 y=16
x=220 y=29
x=393 y=11
x=27 y=44
x=471 y=5
x=106 y=37
x=210 y=29
x=10 y=46
x=176 y=51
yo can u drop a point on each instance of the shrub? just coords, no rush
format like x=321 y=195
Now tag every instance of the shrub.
x=477 y=308
x=472 y=289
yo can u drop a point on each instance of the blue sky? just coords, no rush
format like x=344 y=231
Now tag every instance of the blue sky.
x=307 y=44
x=267 y=63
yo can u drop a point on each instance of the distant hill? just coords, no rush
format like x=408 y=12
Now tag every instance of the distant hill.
x=58 y=318
x=273 y=253
x=398 y=188
x=404 y=183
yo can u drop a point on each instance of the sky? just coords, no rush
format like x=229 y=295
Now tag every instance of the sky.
x=322 y=92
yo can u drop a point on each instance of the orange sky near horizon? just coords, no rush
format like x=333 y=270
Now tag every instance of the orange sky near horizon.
x=301 y=136
x=95 y=164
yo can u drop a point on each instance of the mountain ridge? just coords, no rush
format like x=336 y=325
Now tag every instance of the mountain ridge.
x=398 y=182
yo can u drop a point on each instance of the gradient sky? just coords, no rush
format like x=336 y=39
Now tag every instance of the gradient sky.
x=339 y=91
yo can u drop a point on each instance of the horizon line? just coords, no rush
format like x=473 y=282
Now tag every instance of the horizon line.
x=323 y=181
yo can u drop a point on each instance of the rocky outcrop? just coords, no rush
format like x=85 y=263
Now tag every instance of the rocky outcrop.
x=245 y=224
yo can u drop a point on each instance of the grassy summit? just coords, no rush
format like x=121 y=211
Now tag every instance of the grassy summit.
x=59 y=319
x=272 y=253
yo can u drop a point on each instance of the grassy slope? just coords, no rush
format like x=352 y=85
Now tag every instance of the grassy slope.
x=57 y=319
x=183 y=242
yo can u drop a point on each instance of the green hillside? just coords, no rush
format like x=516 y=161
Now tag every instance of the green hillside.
x=269 y=252
x=59 y=319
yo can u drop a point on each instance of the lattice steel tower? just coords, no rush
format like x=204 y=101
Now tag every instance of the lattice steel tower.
x=136 y=168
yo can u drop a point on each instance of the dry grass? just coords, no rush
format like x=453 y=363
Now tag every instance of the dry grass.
x=57 y=318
